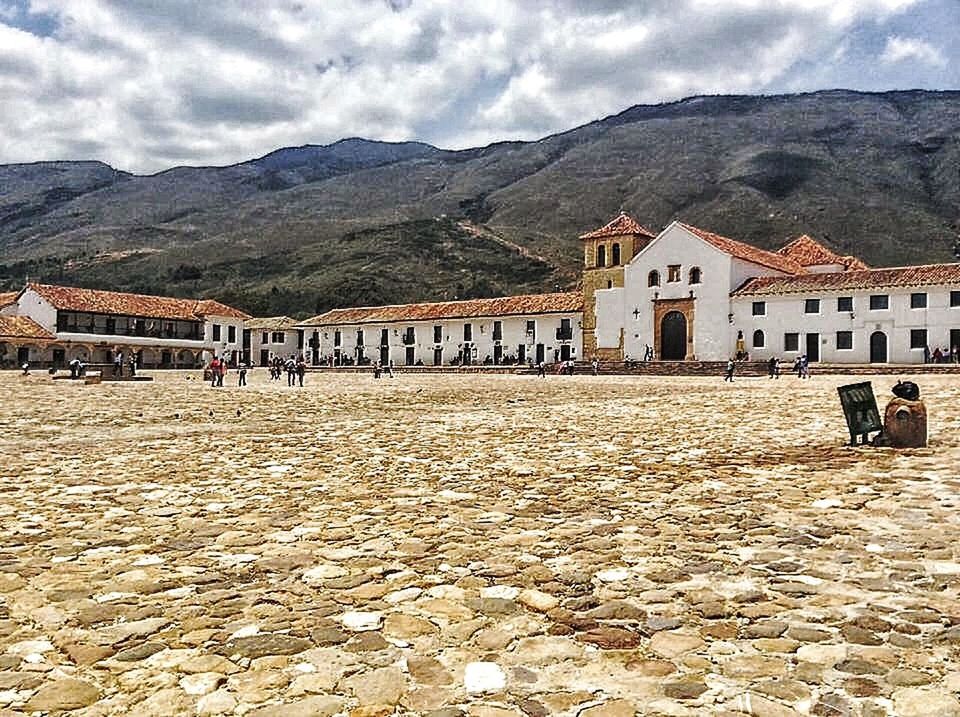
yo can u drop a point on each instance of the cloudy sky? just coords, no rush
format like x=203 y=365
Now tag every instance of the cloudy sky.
x=148 y=84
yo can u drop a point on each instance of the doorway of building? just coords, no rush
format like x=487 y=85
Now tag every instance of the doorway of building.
x=878 y=347
x=497 y=353
x=384 y=355
x=813 y=348
x=673 y=337
x=564 y=352
x=540 y=353
x=954 y=341
x=59 y=358
x=264 y=357
x=411 y=359
x=438 y=357
x=521 y=353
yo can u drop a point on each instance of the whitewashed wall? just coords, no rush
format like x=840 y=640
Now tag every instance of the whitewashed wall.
x=675 y=245
x=514 y=334
x=785 y=314
x=284 y=349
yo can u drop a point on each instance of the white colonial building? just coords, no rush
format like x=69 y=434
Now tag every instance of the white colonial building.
x=692 y=294
x=91 y=325
x=269 y=338
x=506 y=330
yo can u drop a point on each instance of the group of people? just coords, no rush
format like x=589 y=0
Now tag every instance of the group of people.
x=941 y=355
x=294 y=367
x=118 y=364
x=379 y=368
x=801 y=367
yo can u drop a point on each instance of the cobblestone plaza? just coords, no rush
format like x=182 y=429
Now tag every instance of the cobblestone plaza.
x=479 y=545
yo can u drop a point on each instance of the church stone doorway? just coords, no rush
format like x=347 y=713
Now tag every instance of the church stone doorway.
x=673 y=337
x=673 y=329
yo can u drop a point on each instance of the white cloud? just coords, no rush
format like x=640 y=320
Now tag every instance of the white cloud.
x=899 y=49
x=145 y=85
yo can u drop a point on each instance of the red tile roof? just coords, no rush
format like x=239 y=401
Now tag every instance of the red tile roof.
x=859 y=279
x=8 y=297
x=746 y=252
x=271 y=323
x=22 y=327
x=473 y=308
x=621 y=225
x=70 y=298
x=807 y=251
x=212 y=307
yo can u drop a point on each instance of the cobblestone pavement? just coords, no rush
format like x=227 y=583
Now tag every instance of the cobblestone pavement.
x=486 y=546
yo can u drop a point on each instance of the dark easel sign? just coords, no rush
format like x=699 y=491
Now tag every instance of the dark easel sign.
x=860 y=410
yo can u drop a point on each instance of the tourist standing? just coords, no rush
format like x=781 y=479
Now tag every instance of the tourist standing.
x=291 y=367
x=242 y=375
x=301 y=370
x=541 y=369
x=133 y=364
x=595 y=365
x=776 y=367
x=118 y=364
x=390 y=368
x=728 y=374
x=376 y=369
x=223 y=372
x=804 y=367
x=214 y=371
x=770 y=366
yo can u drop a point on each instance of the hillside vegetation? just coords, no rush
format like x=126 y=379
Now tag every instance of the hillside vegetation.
x=361 y=222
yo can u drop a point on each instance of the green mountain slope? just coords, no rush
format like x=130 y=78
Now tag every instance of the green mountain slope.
x=304 y=229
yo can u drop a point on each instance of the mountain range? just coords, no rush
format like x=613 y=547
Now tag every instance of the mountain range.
x=357 y=222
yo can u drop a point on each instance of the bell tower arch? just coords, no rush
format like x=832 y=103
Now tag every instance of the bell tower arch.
x=605 y=252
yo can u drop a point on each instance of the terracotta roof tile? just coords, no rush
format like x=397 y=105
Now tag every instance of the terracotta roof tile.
x=858 y=279
x=473 y=308
x=621 y=225
x=212 y=307
x=71 y=298
x=746 y=252
x=807 y=251
x=271 y=323
x=22 y=327
x=8 y=297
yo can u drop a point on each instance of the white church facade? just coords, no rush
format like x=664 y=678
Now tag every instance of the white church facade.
x=690 y=294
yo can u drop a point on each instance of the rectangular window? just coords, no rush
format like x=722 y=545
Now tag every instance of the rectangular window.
x=918 y=338
x=791 y=342
x=216 y=332
x=359 y=337
x=955 y=298
x=437 y=334
x=811 y=306
x=408 y=337
x=337 y=339
x=232 y=334
x=759 y=308
x=498 y=331
x=844 y=303
x=918 y=300
x=468 y=332
x=879 y=302
x=844 y=340
x=531 y=328
x=673 y=272
x=278 y=337
x=265 y=338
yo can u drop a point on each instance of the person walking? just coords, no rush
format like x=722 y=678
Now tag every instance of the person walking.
x=242 y=375
x=223 y=372
x=133 y=364
x=804 y=367
x=541 y=369
x=390 y=368
x=377 y=367
x=776 y=368
x=595 y=366
x=301 y=370
x=728 y=374
x=214 y=371
x=291 y=367
x=118 y=364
